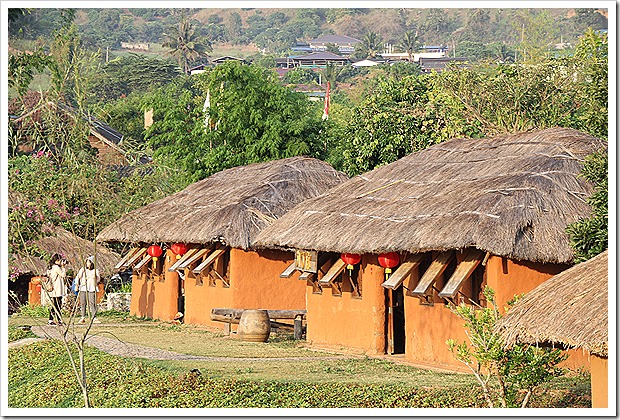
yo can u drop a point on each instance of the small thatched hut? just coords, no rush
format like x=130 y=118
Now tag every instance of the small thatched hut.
x=217 y=219
x=459 y=215
x=75 y=249
x=568 y=310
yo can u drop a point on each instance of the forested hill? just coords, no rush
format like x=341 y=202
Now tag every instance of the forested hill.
x=276 y=30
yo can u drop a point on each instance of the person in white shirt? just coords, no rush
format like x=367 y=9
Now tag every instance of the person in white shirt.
x=55 y=287
x=88 y=278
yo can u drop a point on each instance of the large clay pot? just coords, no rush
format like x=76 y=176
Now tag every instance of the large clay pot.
x=254 y=325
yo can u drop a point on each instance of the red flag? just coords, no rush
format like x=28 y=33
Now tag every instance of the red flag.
x=326 y=108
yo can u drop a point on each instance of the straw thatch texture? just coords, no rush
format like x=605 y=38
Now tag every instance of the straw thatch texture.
x=72 y=247
x=511 y=195
x=230 y=206
x=569 y=308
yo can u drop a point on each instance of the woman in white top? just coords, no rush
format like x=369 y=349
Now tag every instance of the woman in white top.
x=88 y=278
x=55 y=287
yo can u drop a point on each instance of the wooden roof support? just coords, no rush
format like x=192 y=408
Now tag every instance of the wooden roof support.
x=199 y=254
x=333 y=272
x=123 y=262
x=134 y=258
x=190 y=252
x=433 y=272
x=462 y=272
x=397 y=278
x=289 y=271
x=210 y=260
x=142 y=263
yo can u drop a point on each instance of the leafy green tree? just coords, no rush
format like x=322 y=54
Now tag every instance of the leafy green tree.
x=185 y=44
x=300 y=75
x=251 y=118
x=523 y=367
x=132 y=73
x=389 y=123
x=589 y=235
x=409 y=43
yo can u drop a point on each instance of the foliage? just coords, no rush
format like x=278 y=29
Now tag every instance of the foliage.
x=370 y=46
x=300 y=75
x=116 y=382
x=185 y=44
x=409 y=43
x=22 y=68
x=251 y=118
x=134 y=73
x=17 y=333
x=523 y=367
x=589 y=235
x=390 y=122
x=33 y=311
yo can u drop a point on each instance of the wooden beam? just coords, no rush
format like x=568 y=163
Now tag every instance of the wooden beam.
x=210 y=259
x=123 y=260
x=199 y=254
x=398 y=276
x=273 y=313
x=142 y=263
x=306 y=275
x=185 y=256
x=333 y=272
x=131 y=261
x=462 y=272
x=288 y=272
x=433 y=272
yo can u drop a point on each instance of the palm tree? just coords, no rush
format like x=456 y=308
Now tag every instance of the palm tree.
x=370 y=45
x=185 y=44
x=409 y=43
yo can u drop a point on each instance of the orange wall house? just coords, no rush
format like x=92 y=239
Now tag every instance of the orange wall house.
x=362 y=323
x=598 y=372
x=252 y=283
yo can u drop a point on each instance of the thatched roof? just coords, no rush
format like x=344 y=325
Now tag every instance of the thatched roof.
x=72 y=247
x=510 y=195
x=568 y=309
x=230 y=206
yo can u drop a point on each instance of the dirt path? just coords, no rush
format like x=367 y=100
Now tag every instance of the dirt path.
x=123 y=349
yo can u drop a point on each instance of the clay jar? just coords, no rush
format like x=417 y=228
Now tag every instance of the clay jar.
x=254 y=325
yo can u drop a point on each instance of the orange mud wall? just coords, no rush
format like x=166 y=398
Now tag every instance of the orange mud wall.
x=156 y=295
x=428 y=327
x=356 y=323
x=255 y=283
x=598 y=377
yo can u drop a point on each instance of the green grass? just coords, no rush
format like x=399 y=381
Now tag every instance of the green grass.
x=17 y=333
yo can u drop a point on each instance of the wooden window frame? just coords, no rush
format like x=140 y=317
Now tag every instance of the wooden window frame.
x=463 y=271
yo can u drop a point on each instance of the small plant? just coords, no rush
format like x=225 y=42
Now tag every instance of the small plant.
x=521 y=368
x=17 y=333
x=34 y=311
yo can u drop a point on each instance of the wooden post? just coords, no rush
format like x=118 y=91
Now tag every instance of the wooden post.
x=390 y=322
x=298 y=328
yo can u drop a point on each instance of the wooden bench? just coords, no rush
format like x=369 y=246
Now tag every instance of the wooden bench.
x=232 y=316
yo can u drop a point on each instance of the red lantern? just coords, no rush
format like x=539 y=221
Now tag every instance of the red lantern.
x=351 y=259
x=179 y=248
x=154 y=251
x=388 y=261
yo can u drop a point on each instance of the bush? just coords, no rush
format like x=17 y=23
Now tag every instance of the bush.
x=34 y=311
x=17 y=333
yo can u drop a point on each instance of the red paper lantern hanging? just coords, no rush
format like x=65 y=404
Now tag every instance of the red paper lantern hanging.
x=350 y=259
x=179 y=249
x=154 y=251
x=388 y=261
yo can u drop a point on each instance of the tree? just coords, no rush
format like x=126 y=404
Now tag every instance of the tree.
x=589 y=235
x=250 y=118
x=369 y=47
x=409 y=43
x=184 y=44
x=522 y=367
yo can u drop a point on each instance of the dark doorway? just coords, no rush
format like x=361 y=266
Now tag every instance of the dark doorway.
x=398 y=309
x=396 y=321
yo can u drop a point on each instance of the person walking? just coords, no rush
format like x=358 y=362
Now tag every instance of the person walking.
x=55 y=287
x=88 y=278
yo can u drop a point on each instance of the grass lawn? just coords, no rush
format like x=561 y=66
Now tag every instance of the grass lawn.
x=310 y=381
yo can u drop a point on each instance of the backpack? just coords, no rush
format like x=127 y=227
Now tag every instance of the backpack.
x=75 y=286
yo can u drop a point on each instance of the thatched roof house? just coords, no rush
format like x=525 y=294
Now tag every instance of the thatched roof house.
x=512 y=196
x=569 y=309
x=72 y=247
x=230 y=206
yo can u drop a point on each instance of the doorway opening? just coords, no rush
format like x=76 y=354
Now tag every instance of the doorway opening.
x=395 y=304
